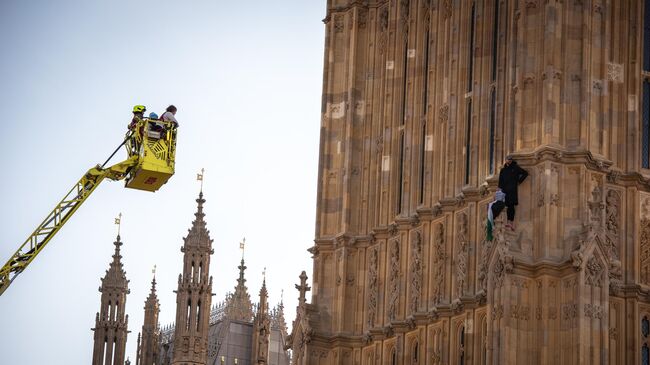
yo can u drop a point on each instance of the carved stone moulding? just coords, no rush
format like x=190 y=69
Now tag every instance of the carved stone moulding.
x=553 y=153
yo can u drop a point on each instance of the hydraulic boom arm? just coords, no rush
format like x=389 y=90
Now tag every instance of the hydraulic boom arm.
x=35 y=243
x=151 y=147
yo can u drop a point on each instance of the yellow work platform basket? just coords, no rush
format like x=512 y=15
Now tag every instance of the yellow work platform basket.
x=154 y=141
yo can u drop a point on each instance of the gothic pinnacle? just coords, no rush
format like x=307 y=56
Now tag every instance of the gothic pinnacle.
x=116 y=255
x=242 y=268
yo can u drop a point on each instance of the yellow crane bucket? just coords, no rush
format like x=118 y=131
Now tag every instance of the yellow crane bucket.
x=155 y=143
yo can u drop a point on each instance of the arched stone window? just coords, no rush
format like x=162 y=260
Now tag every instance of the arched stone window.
x=393 y=357
x=461 y=345
x=415 y=353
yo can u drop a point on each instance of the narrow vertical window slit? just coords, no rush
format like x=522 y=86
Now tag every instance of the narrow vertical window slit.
x=495 y=40
x=400 y=188
x=423 y=142
x=493 y=122
x=645 y=134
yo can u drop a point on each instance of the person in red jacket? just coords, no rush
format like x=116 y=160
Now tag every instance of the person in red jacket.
x=510 y=177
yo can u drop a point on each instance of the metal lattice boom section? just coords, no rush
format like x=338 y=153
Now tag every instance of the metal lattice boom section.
x=35 y=243
x=47 y=229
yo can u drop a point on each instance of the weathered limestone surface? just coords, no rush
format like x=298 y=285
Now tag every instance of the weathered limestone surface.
x=420 y=107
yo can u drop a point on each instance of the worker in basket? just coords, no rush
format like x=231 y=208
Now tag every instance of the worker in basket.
x=135 y=133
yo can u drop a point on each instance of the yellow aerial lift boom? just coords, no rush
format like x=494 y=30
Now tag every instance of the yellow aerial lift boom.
x=151 y=148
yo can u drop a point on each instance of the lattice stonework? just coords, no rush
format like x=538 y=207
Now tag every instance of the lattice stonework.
x=645 y=251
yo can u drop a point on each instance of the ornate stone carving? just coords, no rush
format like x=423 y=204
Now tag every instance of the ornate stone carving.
x=612 y=219
x=577 y=256
x=383 y=27
x=569 y=311
x=393 y=289
x=613 y=333
x=393 y=229
x=350 y=279
x=457 y=306
x=615 y=275
x=367 y=339
x=362 y=18
x=529 y=80
x=373 y=285
x=439 y=258
x=499 y=272
x=416 y=270
x=339 y=25
x=531 y=4
x=598 y=86
x=596 y=205
x=444 y=113
x=404 y=11
x=486 y=247
x=594 y=272
x=593 y=311
x=383 y=19
x=520 y=283
x=461 y=256
x=379 y=145
x=644 y=256
x=615 y=72
x=436 y=210
x=497 y=312
x=521 y=312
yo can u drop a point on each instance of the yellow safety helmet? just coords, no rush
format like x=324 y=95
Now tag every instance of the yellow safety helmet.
x=139 y=109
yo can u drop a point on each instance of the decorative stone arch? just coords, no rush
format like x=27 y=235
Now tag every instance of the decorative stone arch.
x=414 y=352
x=481 y=343
x=392 y=355
x=413 y=349
x=369 y=356
x=460 y=350
x=300 y=337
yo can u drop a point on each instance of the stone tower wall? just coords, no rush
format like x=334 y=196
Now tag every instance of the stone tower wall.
x=417 y=118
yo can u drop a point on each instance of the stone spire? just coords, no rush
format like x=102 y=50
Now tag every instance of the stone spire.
x=148 y=343
x=264 y=295
x=261 y=329
x=194 y=294
x=277 y=318
x=198 y=235
x=238 y=304
x=111 y=322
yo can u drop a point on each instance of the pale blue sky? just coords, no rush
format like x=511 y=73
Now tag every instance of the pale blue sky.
x=246 y=77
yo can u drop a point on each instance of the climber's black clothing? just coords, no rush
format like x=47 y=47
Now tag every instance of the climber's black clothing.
x=509 y=179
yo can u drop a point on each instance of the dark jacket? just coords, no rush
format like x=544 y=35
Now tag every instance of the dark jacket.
x=509 y=179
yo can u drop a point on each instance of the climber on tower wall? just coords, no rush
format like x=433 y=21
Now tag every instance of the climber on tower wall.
x=510 y=177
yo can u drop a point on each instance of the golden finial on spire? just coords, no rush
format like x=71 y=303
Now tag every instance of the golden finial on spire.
x=241 y=247
x=153 y=271
x=264 y=273
x=199 y=177
x=118 y=221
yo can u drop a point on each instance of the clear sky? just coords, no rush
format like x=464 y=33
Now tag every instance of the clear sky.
x=246 y=77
